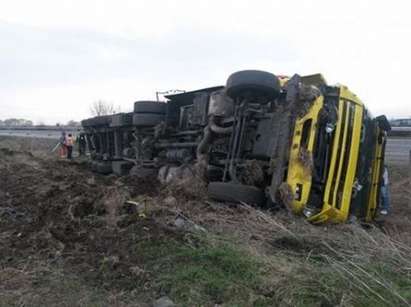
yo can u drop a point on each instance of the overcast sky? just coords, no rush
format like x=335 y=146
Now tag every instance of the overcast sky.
x=57 y=57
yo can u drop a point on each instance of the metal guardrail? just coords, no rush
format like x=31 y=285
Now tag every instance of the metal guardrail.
x=400 y=131
x=42 y=128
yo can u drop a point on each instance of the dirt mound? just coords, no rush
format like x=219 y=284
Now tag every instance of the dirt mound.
x=60 y=211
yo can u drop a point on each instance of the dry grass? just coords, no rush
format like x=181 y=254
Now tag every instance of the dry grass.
x=344 y=265
x=306 y=265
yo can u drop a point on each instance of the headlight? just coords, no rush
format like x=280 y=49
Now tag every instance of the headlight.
x=308 y=212
x=329 y=128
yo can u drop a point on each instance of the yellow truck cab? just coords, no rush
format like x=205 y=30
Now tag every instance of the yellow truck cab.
x=336 y=157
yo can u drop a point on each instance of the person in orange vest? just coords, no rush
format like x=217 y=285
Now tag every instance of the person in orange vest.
x=69 y=145
x=62 y=147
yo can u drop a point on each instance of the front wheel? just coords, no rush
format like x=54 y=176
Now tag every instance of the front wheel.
x=254 y=82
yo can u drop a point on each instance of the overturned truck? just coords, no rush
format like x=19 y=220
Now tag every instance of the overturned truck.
x=260 y=139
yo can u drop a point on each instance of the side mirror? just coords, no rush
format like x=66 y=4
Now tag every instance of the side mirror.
x=383 y=123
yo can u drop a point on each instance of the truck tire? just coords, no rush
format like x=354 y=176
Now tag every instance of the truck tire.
x=256 y=82
x=86 y=122
x=89 y=122
x=104 y=168
x=103 y=120
x=234 y=192
x=93 y=166
x=147 y=119
x=121 y=120
x=145 y=106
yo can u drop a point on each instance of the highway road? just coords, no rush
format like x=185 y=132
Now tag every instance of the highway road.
x=398 y=150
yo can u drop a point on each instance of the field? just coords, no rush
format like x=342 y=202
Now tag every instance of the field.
x=68 y=238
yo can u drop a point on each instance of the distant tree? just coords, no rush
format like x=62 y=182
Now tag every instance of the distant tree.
x=73 y=123
x=11 y=122
x=40 y=123
x=1 y=123
x=101 y=107
x=16 y=122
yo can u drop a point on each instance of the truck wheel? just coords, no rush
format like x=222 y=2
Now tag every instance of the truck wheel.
x=147 y=119
x=235 y=192
x=150 y=107
x=103 y=120
x=93 y=166
x=254 y=82
x=90 y=122
x=104 y=168
x=121 y=120
x=86 y=122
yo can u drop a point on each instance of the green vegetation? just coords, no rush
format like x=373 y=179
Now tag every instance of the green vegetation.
x=298 y=270
x=208 y=272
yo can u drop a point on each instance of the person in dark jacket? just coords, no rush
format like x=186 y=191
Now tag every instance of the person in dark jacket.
x=81 y=142
x=385 y=193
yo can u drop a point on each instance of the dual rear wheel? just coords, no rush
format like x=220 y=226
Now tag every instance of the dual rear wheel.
x=148 y=113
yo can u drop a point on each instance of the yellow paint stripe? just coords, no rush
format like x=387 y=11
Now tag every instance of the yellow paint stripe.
x=337 y=136
x=352 y=163
x=342 y=154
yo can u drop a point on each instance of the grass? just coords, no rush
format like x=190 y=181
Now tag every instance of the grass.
x=299 y=265
x=343 y=283
x=345 y=265
x=209 y=271
x=357 y=268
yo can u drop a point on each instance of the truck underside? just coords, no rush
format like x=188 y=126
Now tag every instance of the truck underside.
x=259 y=140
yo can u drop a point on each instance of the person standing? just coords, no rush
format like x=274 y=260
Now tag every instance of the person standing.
x=81 y=141
x=62 y=142
x=69 y=145
x=385 y=192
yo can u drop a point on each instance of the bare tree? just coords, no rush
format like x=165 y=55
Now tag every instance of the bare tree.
x=73 y=123
x=101 y=107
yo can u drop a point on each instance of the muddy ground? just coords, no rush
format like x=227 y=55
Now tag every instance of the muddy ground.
x=67 y=239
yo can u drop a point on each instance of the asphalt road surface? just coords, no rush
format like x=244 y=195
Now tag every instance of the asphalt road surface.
x=398 y=150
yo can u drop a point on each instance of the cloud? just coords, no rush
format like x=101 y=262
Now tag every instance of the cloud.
x=56 y=54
